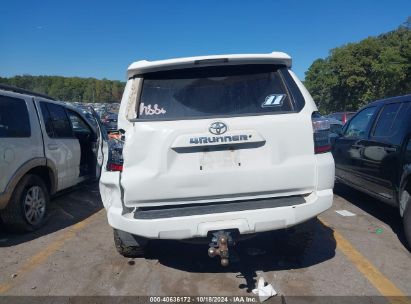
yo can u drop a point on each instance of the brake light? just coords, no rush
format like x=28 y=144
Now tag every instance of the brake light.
x=114 y=167
x=321 y=130
x=115 y=155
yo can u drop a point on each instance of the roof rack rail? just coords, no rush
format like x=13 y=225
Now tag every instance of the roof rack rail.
x=7 y=87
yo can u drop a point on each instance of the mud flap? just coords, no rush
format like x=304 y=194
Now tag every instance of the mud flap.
x=131 y=240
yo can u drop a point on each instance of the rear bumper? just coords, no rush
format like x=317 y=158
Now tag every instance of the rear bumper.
x=247 y=221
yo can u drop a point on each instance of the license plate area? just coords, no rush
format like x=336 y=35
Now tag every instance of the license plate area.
x=213 y=160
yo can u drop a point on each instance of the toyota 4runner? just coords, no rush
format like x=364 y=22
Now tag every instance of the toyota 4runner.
x=218 y=147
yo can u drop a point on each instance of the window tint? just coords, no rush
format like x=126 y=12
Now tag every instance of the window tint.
x=78 y=124
x=56 y=121
x=14 y=117
x=47 y=119
x=213 y=91
x=358 y=124
x=402 y=115
x=385 y=124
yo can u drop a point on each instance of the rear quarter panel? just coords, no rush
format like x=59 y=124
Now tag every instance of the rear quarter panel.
x=15 y=152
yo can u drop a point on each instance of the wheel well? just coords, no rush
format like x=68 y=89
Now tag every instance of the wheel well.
x=46 y=175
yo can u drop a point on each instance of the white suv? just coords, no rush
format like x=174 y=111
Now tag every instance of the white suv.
x=45 y=146
x=218 y=147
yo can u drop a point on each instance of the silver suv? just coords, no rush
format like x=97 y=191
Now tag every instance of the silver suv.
x=45 y=147
x=218 y=147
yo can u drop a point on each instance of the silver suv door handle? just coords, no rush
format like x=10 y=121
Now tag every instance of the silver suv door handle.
x=52 y=147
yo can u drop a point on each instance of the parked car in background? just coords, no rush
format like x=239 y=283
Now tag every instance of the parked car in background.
x=373 y=154
x=336 y=127
x=219 y=147
x=45 y=147
x=100 y=112
x=341 y=116
x=113 y=107
x=109 y=121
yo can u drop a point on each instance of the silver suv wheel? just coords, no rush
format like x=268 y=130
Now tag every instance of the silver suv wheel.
x=27 y=208
x=34 y=205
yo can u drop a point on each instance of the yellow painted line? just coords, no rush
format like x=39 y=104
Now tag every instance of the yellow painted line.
x=42 y=255
x=370 y=272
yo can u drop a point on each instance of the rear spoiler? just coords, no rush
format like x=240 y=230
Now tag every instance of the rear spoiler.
x=144 y=66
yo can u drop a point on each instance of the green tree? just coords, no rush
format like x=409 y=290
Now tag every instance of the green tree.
x=357 y=73
x=70 y=88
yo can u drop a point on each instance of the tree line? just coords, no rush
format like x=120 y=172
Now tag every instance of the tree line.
x=357 y=73
x=70 y=88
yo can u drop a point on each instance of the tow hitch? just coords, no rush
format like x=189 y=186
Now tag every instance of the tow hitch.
x=219 y=246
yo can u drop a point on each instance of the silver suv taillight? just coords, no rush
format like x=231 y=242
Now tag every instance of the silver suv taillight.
x=321 y=129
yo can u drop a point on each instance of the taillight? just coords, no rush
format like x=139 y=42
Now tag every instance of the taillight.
x=115 y=155
x=114 y=167
x=321 y=129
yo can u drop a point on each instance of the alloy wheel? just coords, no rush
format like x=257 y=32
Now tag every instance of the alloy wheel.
x=34 y=205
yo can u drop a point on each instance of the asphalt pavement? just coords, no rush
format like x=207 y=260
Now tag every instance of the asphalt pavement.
x=74 y=255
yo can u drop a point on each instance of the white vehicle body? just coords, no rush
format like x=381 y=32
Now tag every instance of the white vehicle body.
x=179 y=181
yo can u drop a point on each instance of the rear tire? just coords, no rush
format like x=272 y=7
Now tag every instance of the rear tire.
x=27 y=208
x=128 y=245
x=407 y=222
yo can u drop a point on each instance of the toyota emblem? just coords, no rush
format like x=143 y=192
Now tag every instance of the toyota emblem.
x=217 y=128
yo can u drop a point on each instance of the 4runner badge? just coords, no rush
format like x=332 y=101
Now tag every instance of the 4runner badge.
x=219 y=128
x=273 y=100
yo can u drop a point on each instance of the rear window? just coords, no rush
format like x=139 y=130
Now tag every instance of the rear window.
x=14 y=118
x=213 y=91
